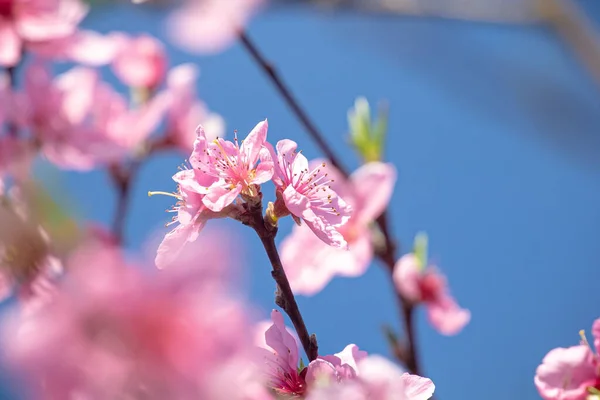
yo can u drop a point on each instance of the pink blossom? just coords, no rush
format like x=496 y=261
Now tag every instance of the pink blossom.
x=309 y=263
x=186 y=110
x=430 y=287
x=140 y=61
x=209 y=26
x=566 y=373
x=113 y=331
x=32 y=21
x=308 y=194
x=232 y=168
x=83 y=46
x=58 y=114
x=191 y=216
x=280 y=351
x=377 y=379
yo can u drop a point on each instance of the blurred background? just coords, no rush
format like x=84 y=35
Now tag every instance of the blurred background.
x=494 y=119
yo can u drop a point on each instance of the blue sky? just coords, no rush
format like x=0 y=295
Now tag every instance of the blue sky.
x=493 y=130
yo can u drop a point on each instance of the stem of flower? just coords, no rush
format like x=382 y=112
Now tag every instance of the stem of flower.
x=284 y=297
x=286 y=93
x=388 y=256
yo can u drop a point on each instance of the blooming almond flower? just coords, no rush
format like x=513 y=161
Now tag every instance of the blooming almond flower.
x=186 y=110
x=570 y=373
x=310 y=263
x=418 y=284
x=209 y=26
x=33 y=21
x=191 y=217
x=308 y=194
x=140 y=61
x=114 y=331
x=232 y=168
x=280 y=350
x=378 y=379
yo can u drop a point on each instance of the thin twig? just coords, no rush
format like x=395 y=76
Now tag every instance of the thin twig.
x=389 y=254
x=285 y=92
x=284 y=297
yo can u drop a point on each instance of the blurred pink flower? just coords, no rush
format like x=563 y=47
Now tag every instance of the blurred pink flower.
x=32 y=21
x=191 y=217
x=209 y=26
x=229 y=169
x=58 y=114
x=427 y=285
x=113 y=331
x=140 y=61
x=186 y=111
x=377 y=379
x=308 y=194
x=280 y=351
x=310 y=263
x=83 y=46
x=566 y=373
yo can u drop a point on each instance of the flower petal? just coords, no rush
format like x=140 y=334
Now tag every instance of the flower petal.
x=220 y=195
x=373 y=185
x=254 y=142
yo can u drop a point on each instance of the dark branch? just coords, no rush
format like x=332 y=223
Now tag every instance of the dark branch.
x=284 y=297
x=389 y=254
x=286 y=93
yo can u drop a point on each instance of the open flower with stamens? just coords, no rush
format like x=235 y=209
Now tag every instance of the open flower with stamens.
x=571 y=373
x=191 y=216
x=307 y=194
x=226 y=169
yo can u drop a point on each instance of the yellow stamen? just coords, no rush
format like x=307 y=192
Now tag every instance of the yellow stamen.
x=225 y=156
x=164 y=194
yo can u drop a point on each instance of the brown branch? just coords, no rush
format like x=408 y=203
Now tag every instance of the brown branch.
x=389 y=254
x=284 y=297
x=286 y=93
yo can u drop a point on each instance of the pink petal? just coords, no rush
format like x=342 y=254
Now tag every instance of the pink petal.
x=373 y=185
x=35 y=26
x=320 y=372
x=565 y=373
x=596 y=334
x=297 y=203
x=140 y=61
x=220 y=195
x=327 y=233
x=417 y=387
x=446 y=316
x=174 y=242
x=198 y=159
x=407 y=274
x=340 y=184
x=254 y=142
x=84 y=47
x=79 y=87
x=263 y=173
x=282 y=342
x=10 y=51
x=193 y=180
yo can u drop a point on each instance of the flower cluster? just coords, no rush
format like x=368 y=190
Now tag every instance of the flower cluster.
x=223 y=175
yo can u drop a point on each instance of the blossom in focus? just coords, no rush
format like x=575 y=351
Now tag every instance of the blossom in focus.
x=139 y=61
x=186 y=110
x=34 y=21
x=115 y=331
x=419 y=284
x=570 y=373
x=280 y=352
x=379 y=379
x=310 y=263
x=228 y=169
x=308 y=194
x=191 y=216
x=209 y=26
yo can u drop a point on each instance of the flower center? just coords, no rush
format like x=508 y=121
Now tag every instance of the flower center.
x=6 y=8
x=430 y=286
